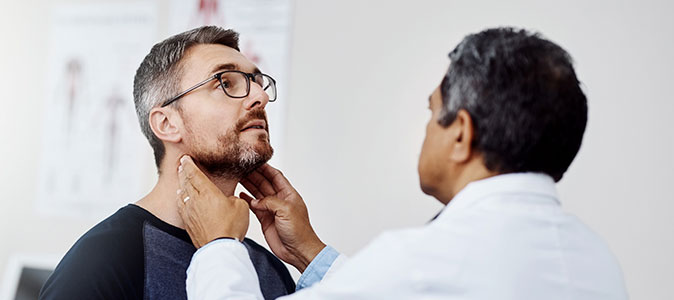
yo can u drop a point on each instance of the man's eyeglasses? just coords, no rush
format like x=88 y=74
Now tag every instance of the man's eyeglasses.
x=235 y=84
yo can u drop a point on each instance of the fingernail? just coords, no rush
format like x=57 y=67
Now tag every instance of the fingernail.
x=180 y=168
x=179 y=191
x=182 y=159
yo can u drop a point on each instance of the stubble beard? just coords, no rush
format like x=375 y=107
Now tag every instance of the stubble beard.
x=234 y=158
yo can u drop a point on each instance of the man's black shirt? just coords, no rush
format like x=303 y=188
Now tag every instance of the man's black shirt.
x=135 y=255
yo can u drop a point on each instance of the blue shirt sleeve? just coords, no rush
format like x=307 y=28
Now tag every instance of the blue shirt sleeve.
x=317 y=268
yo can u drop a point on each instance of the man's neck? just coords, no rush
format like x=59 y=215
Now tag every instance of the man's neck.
x=162 y=200
x=473 y=170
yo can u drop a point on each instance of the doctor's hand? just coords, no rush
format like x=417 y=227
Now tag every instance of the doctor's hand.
x=208 y=213
x=283 y=217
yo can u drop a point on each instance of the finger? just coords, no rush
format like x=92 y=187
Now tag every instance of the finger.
x=249 y=199
x=189 y=207
x=259 y=214
x=183 y=202
x=180 y=202
x=273 y=175
x=251 y=188
x=186 y=187
x=261 y=183
x=190 y=173
x=271 y=204
x=246 y=197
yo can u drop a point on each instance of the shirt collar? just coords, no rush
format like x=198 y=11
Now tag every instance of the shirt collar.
x=515 y=183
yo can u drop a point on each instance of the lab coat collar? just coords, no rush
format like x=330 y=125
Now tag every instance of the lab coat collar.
x=534 y=184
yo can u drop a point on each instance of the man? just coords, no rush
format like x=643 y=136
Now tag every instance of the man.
x=507 y=121
x=195 y=94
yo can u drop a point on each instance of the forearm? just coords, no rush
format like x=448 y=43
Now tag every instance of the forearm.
x=222 y=270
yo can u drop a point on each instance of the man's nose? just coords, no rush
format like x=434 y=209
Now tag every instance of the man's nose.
x=257 y=97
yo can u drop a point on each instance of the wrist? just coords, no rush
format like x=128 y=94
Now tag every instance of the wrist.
x=308 y=254
x=222 y=236
x=225 y=238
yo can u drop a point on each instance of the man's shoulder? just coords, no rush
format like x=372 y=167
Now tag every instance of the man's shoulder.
x=121 y=231
x=109 y=254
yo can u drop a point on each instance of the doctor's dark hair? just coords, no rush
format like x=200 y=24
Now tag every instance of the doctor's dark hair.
x=158 y=76
x=521 y=91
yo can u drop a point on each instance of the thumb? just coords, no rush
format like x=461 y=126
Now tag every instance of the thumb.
x=271 y=204
x=259 y=213
x=249 y=200
x=246 y=197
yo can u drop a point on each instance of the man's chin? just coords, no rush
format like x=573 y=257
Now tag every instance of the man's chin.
x=265 y=151
x=261 y=146
x=263 y=154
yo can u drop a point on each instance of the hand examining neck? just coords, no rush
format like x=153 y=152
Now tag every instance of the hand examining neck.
x=209 y=214
x=161 y=200
x=283 y=217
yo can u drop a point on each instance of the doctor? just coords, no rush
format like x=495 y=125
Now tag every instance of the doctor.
x=506 y=122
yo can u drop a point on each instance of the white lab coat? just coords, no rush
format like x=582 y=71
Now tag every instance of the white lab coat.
x=504 y=237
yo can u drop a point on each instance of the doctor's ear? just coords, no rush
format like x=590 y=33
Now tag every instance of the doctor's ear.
x=462 y=134
x=166 y=124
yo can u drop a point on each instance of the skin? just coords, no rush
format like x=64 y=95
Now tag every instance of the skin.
x=279 y=208
x=209 y=113
x=448 y=162
x=196 y=183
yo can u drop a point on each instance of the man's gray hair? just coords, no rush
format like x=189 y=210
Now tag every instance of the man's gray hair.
x=158 y=76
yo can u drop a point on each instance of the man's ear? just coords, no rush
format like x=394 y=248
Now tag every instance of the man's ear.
x=166 y=124
x=463 y=134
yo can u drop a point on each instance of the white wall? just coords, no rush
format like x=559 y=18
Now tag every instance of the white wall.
x=360 y=76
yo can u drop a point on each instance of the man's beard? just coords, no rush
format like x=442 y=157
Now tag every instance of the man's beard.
x=233 y=158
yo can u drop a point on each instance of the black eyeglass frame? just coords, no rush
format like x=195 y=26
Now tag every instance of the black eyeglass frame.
x=218 y=76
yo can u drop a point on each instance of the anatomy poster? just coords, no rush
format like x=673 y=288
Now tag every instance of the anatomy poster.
x=93 y=152
x=264 y=27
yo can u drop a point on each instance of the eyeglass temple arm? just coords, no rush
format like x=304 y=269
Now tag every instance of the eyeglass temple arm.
x=176 y=97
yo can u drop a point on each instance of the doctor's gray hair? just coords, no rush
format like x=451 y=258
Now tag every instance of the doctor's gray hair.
x=524 y=99
x=158 y=76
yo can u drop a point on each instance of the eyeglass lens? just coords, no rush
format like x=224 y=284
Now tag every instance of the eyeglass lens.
x=236 y=84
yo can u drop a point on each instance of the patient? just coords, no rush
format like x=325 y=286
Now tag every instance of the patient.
x=195 y=94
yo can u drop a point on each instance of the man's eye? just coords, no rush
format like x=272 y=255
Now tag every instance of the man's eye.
x=226 y=83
